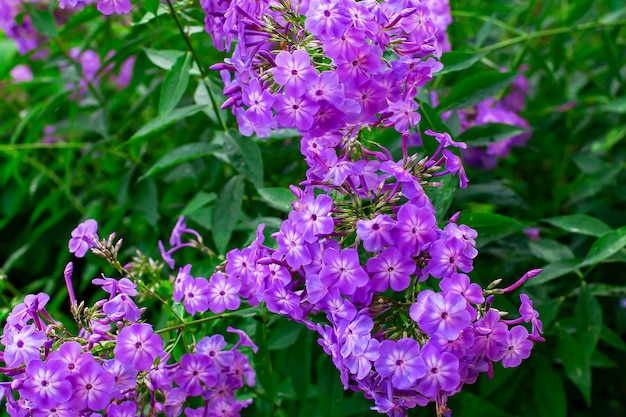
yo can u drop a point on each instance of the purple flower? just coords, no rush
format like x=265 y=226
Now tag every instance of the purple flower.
x=125 y=409
x=328 y=88
x=390 y=268
x=92 y=387
x=314 y=217
x=446 y=256
x=22 y=346
x=360 y=364
x=113 y=286
x=85 y=236
x=244 y=339
x=461 y=283
x=213 y=348
x=529 y=314
x=295 y=111
x=444 y=316
x=70 y=357
x=442 y=372
x=123 y=304
x=375 y=233
x=179 y=281
x=125 y=376
x=291 y=242
x=517 y=347
x=223 y=293
x=294 y=72
x=108 y=7
x=343 y=270
x=195 y=370
x=401 y=362
x=196 y=291
x=327 y=18
x=259 y=102
x=490 y=336
x=173 y=404
x=404 y=115
x=138 y=345
x=45 y=384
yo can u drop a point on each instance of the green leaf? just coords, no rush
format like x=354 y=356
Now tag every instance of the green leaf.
x=179 y=155
x=588 y=315
x=442 y=197
x=485 y=134
x=550 y=250
x=548 y=391
x=175 y=84
x=146 y=201
x=616 y=106
x=284 y=334
x=43 y=21
x=474 y=89
x=301 y=366
x=263 y=362
x=227 y=211
x=277 y=197
x=458 y=61
x=580 y=223
x=197 y=202
x=166 y=58
x=606 y=245
x=554 y=270
x=244 y=154
x=161 y=122
x=152 y=6
x=491 y=226
x=611 y=338
x=577 y=366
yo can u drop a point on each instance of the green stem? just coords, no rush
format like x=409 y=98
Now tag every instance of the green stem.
x=193 y=323
x=197 y=59
x=550 y=32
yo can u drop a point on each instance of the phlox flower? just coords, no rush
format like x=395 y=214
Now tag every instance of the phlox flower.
x=390 y=268
x=22 y=346
x=195 y=371
x=400 y=362
x=343 y=270
x=85 y=236
x=45 y=384
x=223 y=293
x=518 y=347
x=138 y=345
x=442 y=372
x=375 y=233
x=108 y=7
x=92 y=387
x=294 y=72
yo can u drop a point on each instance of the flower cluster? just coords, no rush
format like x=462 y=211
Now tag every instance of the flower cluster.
x=347 y=65
x=117 y=363
x=361 y=258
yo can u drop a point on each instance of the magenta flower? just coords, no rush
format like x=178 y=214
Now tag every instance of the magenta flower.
x=295 y=111
x=45 y=384
x=85 y=236
x=22 y=346
x=446 y=256
x=92 y=387
x=390 y=268
x=223 y=293
x=294 y=72
x=327 y=18
x=138 y=345
x=517 y=347
x=444 y=316
x=70 y=357
x=314 y=217
x=375 y=233
x=416 y=226
x=108 y=7
x=442 y=372
x=213 y=347
x=195 y=371
x=401 y=362
x=196 y=295
x=343 y=270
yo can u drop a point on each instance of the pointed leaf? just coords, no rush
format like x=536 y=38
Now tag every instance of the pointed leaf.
x=458 y=61
x=277 y=197
x=588 y=315
x=442 y=196
x=605 y=246
x=491 y=226
x=474 y=89
x=244 y=154
x=179 y=155
x=550 y=250
x=226 y=212
x=554 y=270
x=580 y=223
x=284 y=334
x=161 y=122
x=197 y=202
x=152 y=6
x=175 y=84
x=549 y=392
x=577 y=366
x=485 y=134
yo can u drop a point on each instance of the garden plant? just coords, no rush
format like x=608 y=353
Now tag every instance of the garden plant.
x=312 y=207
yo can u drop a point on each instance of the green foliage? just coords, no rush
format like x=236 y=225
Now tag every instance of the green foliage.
x=138 y=157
